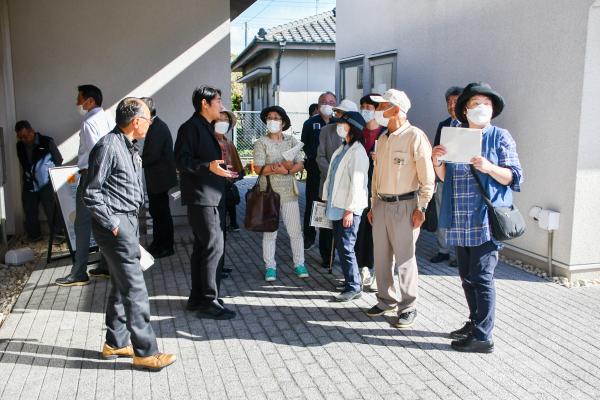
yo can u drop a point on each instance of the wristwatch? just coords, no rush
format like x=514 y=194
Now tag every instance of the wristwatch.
x=423 y=209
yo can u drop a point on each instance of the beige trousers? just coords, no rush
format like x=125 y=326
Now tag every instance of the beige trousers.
x=394 y=242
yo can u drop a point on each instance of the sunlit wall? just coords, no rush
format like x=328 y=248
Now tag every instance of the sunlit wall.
x=135 y=47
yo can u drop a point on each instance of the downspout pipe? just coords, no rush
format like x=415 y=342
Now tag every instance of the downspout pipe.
x=277 y=68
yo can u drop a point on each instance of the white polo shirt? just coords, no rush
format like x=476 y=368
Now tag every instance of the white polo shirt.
x=95 y=125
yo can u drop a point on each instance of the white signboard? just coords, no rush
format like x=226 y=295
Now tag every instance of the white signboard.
x=462 y=144
x=64 y=183
x=317 y=216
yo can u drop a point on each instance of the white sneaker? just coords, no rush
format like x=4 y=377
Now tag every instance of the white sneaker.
x=373 y=286
x=365 y=276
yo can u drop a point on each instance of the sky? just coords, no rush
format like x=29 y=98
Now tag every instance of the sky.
x=269 y=13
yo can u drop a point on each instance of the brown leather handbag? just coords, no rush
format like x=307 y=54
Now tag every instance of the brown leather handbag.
x=262 y=208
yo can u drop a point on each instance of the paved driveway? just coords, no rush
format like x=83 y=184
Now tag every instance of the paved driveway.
x=290 y=341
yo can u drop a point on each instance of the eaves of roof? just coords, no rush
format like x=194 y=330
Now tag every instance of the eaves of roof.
x=257 y=46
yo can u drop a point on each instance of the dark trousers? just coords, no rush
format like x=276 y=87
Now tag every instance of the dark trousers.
x=364 y=243
x=232 y=199
x=128 y=308
x=31 y=203
x=325 y=239
x=313 y=181
x=232 y=212
x=83 y=233
x=162 y=222
x=476 y=267
x=345 y=239
x=207 y=258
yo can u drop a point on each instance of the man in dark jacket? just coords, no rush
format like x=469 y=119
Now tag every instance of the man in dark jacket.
x=443 y=253
x=37 y=153
x=158 y=161
x=202 y=181
x=311 y=130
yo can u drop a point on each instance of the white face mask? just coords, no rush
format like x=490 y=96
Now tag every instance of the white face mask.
x=221 y=127
x=326 y=109
x=368 y=115
x=81 y=110
x=381 y=120
x=273 y=126
x=341 y=131
x=480 y=115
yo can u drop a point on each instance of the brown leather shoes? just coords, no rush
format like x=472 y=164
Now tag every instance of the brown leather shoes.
x=154 y=363
x=109 y=353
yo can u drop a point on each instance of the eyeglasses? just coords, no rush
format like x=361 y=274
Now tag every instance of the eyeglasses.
x=274 y=119
x=150 y=120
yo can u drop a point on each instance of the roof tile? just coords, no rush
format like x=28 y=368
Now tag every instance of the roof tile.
x=319 y=28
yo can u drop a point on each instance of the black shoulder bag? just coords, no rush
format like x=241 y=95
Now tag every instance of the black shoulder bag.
x=506 y=222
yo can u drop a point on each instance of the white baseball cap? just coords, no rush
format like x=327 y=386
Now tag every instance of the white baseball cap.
x=396 y=97
x=346 y=105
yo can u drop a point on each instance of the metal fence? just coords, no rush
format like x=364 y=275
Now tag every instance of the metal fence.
x=250 y=127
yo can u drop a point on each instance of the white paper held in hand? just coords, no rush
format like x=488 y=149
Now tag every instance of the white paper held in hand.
x=146 y=259
x=462 y=144
x=318 y=219
x=290 y=154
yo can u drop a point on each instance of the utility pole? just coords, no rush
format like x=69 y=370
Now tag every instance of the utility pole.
x=246 y=34
x=316 y=7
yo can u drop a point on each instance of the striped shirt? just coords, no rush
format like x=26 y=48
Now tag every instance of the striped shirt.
x=114 y=179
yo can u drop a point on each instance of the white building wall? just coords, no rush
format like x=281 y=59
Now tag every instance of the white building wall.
x=534 y=53
x=304 y=76
x=126 y=48
x=586 y=219
x=265 y=60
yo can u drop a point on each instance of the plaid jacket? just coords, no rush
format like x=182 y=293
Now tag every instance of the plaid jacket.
x=463 y=211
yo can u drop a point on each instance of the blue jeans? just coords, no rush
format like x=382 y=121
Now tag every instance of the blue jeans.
x=345 y=238
x=476 y=267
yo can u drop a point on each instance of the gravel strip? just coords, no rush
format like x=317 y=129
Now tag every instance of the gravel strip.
x=14 y=278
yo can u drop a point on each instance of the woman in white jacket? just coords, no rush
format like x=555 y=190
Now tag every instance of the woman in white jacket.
x=346 y=194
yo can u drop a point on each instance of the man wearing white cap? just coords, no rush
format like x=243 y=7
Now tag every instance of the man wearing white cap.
x=403 y=183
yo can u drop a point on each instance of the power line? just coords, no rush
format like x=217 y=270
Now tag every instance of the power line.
x=257 y=14
x=289 y=4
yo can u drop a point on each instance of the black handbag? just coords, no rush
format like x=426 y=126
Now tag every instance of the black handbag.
x=262 y=208
x=431 y=217
x=506 y=222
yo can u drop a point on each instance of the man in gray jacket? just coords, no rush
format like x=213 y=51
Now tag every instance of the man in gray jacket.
x=329 y=141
